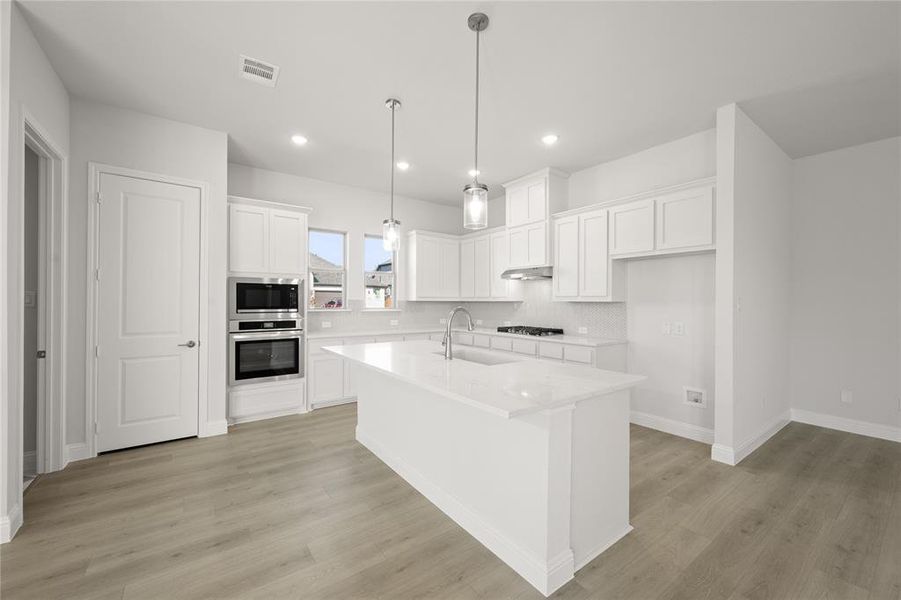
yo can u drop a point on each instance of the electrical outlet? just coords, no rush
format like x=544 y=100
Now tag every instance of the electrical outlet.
x=479 y=321
x=695 y=397
x=678 y=328
x=508 y=323
x=847 y=397
x=394 y=322
x=667 y=328
x=583 y=330
x=31 y=299
x=442 y=321
x=326 y=324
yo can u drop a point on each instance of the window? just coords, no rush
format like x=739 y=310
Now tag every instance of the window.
x=327 y=269
x=378 y=273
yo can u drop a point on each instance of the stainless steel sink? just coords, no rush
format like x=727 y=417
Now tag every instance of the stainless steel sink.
x=482 y=358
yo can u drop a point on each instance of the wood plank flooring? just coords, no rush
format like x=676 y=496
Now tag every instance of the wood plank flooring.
x=295 y=508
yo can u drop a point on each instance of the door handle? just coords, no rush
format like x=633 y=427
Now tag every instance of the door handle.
x=190 y=344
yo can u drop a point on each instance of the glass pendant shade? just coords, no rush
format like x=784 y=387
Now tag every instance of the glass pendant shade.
x=475 y=206
x=391 y=235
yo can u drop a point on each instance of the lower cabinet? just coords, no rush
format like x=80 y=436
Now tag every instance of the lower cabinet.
x=256 y=401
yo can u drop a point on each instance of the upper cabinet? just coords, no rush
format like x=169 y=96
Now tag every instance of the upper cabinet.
x=484 y=257
x=583 y=270
x=530 y=201
x=433 y=266
x=266 y=238
x=632 y=227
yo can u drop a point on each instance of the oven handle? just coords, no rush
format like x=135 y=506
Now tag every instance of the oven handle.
x=267 y=335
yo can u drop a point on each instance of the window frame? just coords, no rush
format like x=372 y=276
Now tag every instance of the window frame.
x=342 y=270
x=366 y=274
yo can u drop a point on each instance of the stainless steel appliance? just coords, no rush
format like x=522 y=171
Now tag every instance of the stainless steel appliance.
x=528 y=330
x=265 y=350
x=264 y=298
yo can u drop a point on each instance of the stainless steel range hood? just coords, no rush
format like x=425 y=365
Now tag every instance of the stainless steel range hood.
x=529 y=273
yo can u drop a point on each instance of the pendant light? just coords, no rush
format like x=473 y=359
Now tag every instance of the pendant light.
x=391 y=226
x=475 y=195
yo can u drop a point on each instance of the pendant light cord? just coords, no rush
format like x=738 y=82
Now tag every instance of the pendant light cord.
x=476 y=165
x=393 y=108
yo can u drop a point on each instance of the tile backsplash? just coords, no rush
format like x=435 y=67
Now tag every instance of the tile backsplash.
x=607 y=320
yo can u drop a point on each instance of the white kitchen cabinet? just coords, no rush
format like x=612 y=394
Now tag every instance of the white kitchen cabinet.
x=482 y=271
x=500 y=288
x=433 y=266
x=326 y=378
x=566 y=257
x=529 y=245
x=467 y=268
x=685 y=219
x=632 y=227
x=532 y=198
x=266 y=238
x=583 y=271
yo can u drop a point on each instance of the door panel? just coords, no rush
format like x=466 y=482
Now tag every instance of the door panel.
x=593 y=253
x=566 y=257
x=248 y=232
x=148 y=304
x=482 y=270
x=467 y=269
x=287 y=246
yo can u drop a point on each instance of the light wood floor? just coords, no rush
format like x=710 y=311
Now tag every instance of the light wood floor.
x=294 y=508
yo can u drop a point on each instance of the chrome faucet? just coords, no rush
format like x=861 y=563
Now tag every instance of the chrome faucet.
x=447 y=342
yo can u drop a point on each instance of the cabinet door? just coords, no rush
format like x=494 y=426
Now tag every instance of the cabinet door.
x=500 y=253
x=467 y=268
x=517 y=206
x=248 y=239
x=326 y=378
x=428 y=267
x=685 y=219
x=566 y=257
x=528 y=245
x=450 y=268
x=538 y=244
x=632 y=227
x=537 y=199
x=593 y=257
x=482 y=271
x=287 y=242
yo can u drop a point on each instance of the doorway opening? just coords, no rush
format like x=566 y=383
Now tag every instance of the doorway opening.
x=31 y=343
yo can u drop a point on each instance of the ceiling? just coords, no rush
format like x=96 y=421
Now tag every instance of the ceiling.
x=610 y=78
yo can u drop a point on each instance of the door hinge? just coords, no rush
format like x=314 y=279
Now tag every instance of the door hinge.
x=96 y=274
x=96 y=351
x=96 y=428
x=99 y=198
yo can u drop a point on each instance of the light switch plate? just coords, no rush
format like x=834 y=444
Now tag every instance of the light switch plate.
x=393 y=322
x=847 y=397
x=443 y=321
x=326 y=324
x=479 y=321
x=678 y=328
x=667 y=328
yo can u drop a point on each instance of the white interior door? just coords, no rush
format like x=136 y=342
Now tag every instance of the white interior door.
x=148 y=311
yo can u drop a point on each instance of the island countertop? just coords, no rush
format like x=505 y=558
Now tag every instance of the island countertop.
x=523 y=386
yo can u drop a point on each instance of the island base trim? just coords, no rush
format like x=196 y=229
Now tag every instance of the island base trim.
x=546 y=577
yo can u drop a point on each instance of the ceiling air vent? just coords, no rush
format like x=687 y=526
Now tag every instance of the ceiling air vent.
x=258 y=71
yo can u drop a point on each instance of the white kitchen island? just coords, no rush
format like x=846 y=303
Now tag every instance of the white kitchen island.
x=530 y=456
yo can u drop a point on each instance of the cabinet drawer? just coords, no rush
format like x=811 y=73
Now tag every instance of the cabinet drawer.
x=317 y=345
x=501 y=343
x=578 y=354
x=525 y=347
x=482 y=341
x=546 y=350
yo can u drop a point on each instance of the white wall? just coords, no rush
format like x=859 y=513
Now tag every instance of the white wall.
x=754 y=185
x=686 y=159
x=668 y=290
x=845 y=283
x=33 y=87
x=125 y=138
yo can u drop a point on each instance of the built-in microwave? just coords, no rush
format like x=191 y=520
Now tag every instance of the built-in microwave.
x=264 y=298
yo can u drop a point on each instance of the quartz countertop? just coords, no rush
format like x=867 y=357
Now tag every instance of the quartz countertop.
x=560 y=339
x=351 y=334
x=520 y=387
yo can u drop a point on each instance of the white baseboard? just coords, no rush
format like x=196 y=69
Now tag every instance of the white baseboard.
x=10 y=523
x=883 y=432
x=602 y=548
x=263 y=416
x=328 y=403
x=686 y=430
x=77 y=451
x=546 y=577
x=30 y=462
x=733 y=456
x=212 y=428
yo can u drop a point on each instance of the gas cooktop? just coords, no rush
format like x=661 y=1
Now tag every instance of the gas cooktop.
x=527 y=330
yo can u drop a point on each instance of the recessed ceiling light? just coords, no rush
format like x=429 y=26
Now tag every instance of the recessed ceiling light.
x=298 y=139
x=549 y=140
x=474 y=173
x=403 y=165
